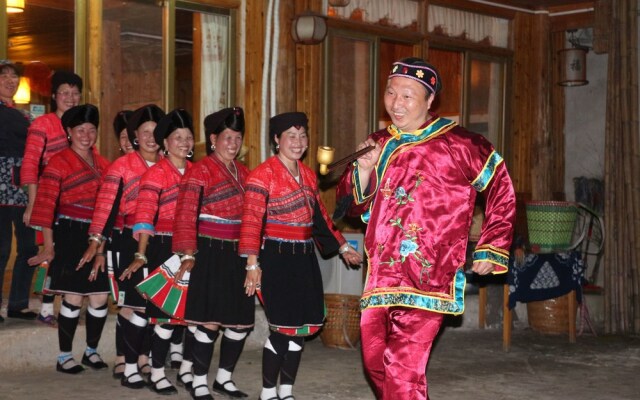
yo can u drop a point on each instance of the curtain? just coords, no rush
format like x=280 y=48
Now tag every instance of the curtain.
x=622 y=167
x=475 y=27
x=215 y=74
x=399 y=13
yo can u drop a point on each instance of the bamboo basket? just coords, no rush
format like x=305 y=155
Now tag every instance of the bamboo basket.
x=551 y=316
x=551 y=225
x=342 y=326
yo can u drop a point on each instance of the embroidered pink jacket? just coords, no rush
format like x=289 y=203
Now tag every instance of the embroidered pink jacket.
x=419 y=206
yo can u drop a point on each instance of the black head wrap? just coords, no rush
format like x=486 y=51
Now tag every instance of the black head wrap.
x=176 y=119
x=281 y=122
x=58 y=79
x=79 y=115
x=149 y=112
x=120 y=121
x=227 y=118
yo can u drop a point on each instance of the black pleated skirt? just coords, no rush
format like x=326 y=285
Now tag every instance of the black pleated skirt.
x=292 y=287
x=216 y=287
x=129 y=296
x=70 y=238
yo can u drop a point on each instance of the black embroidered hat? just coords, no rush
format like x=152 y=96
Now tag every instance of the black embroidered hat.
x=149 y=112
x=418 y=70
x=176 y=119
x=79 y=115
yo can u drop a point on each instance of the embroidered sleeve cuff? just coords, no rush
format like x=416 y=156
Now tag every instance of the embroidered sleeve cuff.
x=494 y=255
x=141 y=228
x=488 y=171
x=358 y=191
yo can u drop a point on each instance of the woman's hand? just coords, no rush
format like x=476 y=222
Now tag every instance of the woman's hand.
x=133 y=267
x=89 y=254
x=253 y=281
x=47 y=254
x=98 y=266
x=185 y=266
x=351 y=256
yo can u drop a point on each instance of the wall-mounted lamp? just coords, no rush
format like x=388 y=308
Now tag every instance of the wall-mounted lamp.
x=309 y=28
x=573 y=60
x=23 y=94
x=15 y=6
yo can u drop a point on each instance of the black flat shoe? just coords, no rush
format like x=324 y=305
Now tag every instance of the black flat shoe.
x=219 y=387
x=182 y=382
x=207 y=396
x=133 y=385
x=96 y=363
x=164 y=391
x=76 y=369
x=27 y=315
x=288 y=398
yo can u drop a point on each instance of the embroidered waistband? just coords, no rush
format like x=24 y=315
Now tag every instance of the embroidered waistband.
x=217 y=230
x=287 y=232
x=75 y=213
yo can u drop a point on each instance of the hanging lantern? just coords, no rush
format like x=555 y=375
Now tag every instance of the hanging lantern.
x=309 y=28
x=339 y=3
x=574 y=67
x=573 y=62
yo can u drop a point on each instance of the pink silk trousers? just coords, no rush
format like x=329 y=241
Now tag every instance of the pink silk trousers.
x=396 y=343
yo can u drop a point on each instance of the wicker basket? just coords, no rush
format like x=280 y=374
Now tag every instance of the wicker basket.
x=342 y=326
x=551 y=316
x=551 y=225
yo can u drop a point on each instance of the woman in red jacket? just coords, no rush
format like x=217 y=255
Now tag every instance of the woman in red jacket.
x=114 y=218
x=153 y=228
x=206 y=233
x=282 y=217
x=63 y=208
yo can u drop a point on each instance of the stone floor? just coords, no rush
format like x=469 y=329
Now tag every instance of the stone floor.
x=466 y=363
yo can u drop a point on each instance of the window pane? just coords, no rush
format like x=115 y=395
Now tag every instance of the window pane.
x=41 y=39
x=349 y=96
x=132 y=62
x=448 y=103
x=486 y=99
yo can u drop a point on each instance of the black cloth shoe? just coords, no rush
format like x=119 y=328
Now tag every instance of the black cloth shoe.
x=76 y=369
x=28 y=315
x=133 y=385
x=164 y=391
x=1 y=318
x=182 y=382
x=219 y=387
x=207 y=396
x=96 y=363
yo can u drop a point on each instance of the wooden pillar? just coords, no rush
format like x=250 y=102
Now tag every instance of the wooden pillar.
x=531 y=138
x=254 y=46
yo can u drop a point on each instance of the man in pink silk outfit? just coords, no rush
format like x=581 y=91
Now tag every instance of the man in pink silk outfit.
x=416 y=190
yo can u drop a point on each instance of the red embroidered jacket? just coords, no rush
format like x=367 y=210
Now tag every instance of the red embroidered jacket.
x=45 y=138
x=273 y=192
x=67 y=187
x=126 y=171
x=207 y=188
x=157 y=196
x=419 y=206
